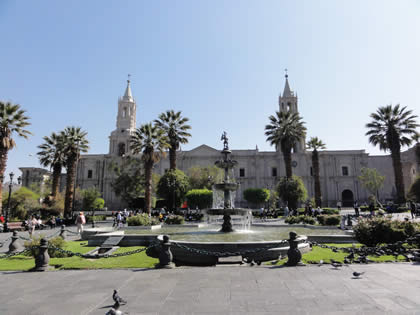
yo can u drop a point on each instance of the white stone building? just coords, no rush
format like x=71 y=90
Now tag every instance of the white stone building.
x=339 y=169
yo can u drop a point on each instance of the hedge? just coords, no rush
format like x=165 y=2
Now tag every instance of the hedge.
x=378 y=230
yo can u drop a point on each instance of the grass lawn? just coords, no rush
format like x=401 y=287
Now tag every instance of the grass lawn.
x=140 y=260
x=317 y=254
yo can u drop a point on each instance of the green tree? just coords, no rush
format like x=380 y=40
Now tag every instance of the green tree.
x=285 y=130
x=176 y=130
x=372 y=180
x=172 y=186
x=89 y=197
x=201 y=198
x=12 y=121
x=129 y=182
x=98 y=204
x=391 y=128
x=21 y=201
x=151 y=142
x=75 y=142
x=204 y=177
x=274 y=198
x=52 y=154
x=315 y=144
x=256 y=196
x=292 y=190
x=414 y=192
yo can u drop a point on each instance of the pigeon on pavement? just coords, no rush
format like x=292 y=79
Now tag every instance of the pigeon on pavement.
x=336 y=265
x=357 y=274
x=115 y=309
x=117 y=298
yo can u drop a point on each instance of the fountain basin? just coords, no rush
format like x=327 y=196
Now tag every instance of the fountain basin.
x=234 y=211
x=256 y=251
x=226 y=186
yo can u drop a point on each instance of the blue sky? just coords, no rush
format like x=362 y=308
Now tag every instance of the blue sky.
x=219 y=62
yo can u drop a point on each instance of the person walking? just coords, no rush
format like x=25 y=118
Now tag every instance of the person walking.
x=413 y=209
x=356 y=208
x=32 y=222
x=80 y=220
x=286 y=211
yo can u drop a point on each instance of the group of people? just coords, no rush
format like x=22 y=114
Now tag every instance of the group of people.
x=120 y=218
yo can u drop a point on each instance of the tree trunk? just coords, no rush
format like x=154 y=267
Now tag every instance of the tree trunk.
x=398 y=173
x=148 y=167
x=71 y=176
x=287 y=156
x=56 y=175
x=172 y=158
x=3 y=162
x=317 y=182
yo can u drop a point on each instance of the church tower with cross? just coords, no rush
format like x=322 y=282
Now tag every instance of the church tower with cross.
x=288 y=101
x=119 y=140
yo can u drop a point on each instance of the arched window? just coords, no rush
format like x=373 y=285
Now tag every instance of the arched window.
x=124 y=113
x=121 y=149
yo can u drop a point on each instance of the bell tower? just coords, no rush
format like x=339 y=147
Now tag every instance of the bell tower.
x=289 y=102
x=119 y=140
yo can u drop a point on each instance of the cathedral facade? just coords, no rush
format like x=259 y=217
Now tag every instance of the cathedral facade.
x=339 y=169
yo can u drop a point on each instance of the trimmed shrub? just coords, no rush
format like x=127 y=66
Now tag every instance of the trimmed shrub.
x=33 y=244
x=142 y=220
x=383 y=230
x=201 y=198
x=330 y=211
x=300 y=219
x=256 y=196
x=174 y=219
x=329 y=219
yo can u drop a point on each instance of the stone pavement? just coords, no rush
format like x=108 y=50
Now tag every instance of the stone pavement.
x=385 y=288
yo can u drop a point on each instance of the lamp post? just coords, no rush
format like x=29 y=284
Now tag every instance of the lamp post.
x=173 y=183
x=6 y=217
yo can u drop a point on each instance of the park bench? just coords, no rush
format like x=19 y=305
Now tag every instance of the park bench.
x=15 y=226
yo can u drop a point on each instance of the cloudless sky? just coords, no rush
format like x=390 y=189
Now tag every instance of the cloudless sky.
x=220 y=62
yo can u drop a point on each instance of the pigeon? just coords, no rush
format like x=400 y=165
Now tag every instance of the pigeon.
x=350 y=256
x=117 y=298
x=357 y=274
x=115 y=309
x=320 y=263
x=336 y=265
x=346 y=261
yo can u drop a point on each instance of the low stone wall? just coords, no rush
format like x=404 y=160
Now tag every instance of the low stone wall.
x=341 y=239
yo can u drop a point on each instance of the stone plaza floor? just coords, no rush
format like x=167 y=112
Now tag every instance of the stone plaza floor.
x=384 y=289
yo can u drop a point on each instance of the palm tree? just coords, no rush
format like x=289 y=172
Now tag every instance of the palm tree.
x=175 y=128
x=52 y=154
x=150 y=141
x=314 y=143
x=390 y=129
x=285 y=130
x=12 y=121
x=75 y=142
